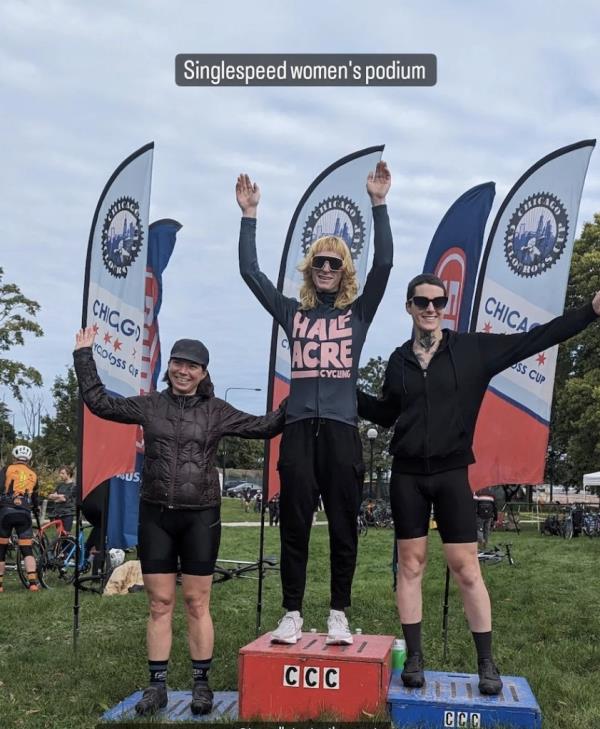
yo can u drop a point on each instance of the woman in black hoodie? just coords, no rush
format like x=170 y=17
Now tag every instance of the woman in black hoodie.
x=433 y=389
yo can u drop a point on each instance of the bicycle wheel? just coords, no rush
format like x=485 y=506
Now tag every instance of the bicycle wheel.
x=20 y=561
x=58 y=563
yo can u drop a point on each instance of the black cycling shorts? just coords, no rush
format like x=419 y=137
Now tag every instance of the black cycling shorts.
x=192 y=535
x=18 y=519
x=412 y=496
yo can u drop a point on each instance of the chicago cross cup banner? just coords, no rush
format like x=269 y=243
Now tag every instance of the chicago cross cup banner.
x=522 y=283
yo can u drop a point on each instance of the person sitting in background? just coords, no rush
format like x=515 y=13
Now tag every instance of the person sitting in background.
x=62 y=500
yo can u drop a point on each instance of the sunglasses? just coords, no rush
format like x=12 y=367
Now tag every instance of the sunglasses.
x=335 y=264
x=422 y=302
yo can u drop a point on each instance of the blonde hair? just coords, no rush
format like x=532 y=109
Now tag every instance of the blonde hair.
x=348 y=283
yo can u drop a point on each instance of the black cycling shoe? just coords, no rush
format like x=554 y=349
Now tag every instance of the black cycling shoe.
x=412 y=674
x=153 y=699
x=490 y=682
x=202 y=699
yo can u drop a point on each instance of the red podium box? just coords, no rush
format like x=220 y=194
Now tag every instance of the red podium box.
x=309 y=679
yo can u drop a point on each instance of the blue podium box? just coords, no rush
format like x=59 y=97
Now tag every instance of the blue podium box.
x=225 y=708
x=453 y=700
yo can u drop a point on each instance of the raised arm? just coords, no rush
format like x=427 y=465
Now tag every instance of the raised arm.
x=378 y=185
x=280 y=307
x=503 y=350
x=93 y=392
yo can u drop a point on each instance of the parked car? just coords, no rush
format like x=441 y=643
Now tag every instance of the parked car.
x=241 y=488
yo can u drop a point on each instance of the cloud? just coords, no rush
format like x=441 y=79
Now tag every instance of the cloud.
x=86 y=84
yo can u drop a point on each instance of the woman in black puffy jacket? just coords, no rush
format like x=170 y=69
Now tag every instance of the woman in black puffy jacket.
x=179 y=498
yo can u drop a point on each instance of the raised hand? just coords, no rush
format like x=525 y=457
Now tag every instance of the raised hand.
x=85 y=338
x=378 y=183
x=247 y=194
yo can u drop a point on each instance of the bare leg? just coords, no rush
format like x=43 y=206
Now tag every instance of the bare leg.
x=412 y=559
x=161 y=599
x=464 y=566
x=196 y=594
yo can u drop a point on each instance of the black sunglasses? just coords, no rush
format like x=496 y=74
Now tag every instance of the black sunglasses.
x=422 y=302
x=334 y=263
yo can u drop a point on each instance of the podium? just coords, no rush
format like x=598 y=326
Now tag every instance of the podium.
x=310 y=679
x=453 y=700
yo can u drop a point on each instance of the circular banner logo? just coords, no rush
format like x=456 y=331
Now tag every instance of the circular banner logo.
x=536 y=234
x=122 y=236
x=336 y=215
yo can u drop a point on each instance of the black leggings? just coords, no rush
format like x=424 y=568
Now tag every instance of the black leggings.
x=412 y=496
x=164 y=534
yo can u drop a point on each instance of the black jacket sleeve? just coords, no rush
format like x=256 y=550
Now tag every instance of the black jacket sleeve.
x=383 y=411
x=379 y=274
x=500 y=351
x=119 y=409
x=244 y=425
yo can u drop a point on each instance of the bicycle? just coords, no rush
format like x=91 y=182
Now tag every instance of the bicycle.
x=14 y=560
x=495 y=555
x=56 y=563
x=242 y=568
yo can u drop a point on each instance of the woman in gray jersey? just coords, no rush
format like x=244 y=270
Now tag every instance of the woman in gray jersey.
x=321 y=451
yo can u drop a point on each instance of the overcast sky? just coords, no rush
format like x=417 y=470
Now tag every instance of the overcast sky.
x=85 y=84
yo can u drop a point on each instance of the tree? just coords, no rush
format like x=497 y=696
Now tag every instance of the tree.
x=241 y=453
x=370 y=380
x=574 y=447
x=17 y=314
x=7 y=434
x=58 y=444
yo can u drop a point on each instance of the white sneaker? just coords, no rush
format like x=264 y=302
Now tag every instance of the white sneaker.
x=338 y=632
x=289 y=629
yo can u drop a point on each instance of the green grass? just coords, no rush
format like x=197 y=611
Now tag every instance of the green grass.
x=546 y=613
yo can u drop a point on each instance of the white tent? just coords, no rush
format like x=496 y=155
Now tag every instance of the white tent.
x=591 y=479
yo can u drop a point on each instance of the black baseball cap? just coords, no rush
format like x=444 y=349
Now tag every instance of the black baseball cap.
x=191 y=349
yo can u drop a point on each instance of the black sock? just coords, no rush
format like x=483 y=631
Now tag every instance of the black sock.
x=158 y=672
x=483 y=644
x=200 y=671
x=412 y=636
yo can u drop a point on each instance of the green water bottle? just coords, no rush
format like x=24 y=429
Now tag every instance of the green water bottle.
x=398 y=654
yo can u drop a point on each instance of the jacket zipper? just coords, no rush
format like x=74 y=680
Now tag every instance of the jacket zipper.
x=426 y=417
x=181 y=404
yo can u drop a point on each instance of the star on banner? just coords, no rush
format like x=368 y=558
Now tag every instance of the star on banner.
x=487 y=327
x=107 y=338
x=96 y=328
x=541 y=358
x=117 y=345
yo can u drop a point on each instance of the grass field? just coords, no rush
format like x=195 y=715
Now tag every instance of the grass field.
x=546 y=611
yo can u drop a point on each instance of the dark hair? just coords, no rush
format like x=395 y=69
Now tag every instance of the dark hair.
x=69 y=469
x=424 y=278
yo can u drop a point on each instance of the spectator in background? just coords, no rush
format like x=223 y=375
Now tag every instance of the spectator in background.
x=61 y=502
x=487 y=513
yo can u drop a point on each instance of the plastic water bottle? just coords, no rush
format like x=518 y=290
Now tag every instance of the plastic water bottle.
x=398 y=654
x=358 y=631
